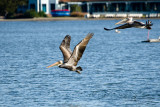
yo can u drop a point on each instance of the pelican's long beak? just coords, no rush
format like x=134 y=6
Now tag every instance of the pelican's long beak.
x=55 y=64
x=121 y=22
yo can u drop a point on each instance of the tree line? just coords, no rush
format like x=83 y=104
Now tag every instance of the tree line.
x=8 y=7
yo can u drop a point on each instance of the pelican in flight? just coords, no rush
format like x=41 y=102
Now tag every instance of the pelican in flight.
x=129 y=22
x=70 y=59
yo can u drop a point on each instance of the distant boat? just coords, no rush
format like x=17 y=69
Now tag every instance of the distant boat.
x=64 y=12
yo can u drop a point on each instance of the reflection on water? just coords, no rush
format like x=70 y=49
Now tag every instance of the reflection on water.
x=118 y=70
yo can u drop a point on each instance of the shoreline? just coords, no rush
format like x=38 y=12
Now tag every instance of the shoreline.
x=65 y=19
x=44 y=19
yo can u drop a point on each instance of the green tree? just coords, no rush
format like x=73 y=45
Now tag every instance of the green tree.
x=10 y=6
x=76 y=8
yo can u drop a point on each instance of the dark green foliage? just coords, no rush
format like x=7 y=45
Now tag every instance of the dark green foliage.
x=10 y=6
x=9 y=15
x=27 y=14
x=76 y=8
x=77 y=14
x=42 y=14
x=31 y=14
x=7 y=7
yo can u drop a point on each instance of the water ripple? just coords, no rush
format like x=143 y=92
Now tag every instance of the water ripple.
x=118 y=70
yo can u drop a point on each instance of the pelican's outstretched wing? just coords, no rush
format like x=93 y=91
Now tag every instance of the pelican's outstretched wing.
x=127 y=25
x=126 y=20
x=123 y=21
x=65 y=48
x=137 y=23
x=67 y=43
x=121 y=27
x=79 y=49
x=108 y=29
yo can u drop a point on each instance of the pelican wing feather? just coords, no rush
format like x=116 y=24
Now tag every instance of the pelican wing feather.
x=122 y=21
x=124 y=26
x=126 y=20
x=78 y=50
x=67 y=43
x=137 y=23
x=65 y=48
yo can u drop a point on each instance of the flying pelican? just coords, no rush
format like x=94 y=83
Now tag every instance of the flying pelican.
x=70 y=59
x=130 y=23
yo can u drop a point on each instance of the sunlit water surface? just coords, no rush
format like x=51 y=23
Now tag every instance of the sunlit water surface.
x=118 y=69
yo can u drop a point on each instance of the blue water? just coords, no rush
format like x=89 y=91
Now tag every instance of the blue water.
x=118 y=69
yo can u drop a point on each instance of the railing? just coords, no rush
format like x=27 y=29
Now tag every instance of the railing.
x=123 y=15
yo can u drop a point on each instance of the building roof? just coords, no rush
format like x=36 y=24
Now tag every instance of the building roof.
x=104 y=0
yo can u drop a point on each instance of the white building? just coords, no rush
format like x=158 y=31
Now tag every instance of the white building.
x=43 y=5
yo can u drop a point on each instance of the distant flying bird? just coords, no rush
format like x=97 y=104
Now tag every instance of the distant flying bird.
x=70 y=59
x=129 y=22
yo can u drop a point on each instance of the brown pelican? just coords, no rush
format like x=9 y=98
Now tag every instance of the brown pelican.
x=70 y=59
x=130 y=24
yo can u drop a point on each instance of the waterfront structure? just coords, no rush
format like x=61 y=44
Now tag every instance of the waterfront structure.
x=116 y=8
x=107 y=8
x=43 y=5
x=115 y=5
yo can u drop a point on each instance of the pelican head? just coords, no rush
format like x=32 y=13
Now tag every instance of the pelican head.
x=148 y=24
x=56 y=64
